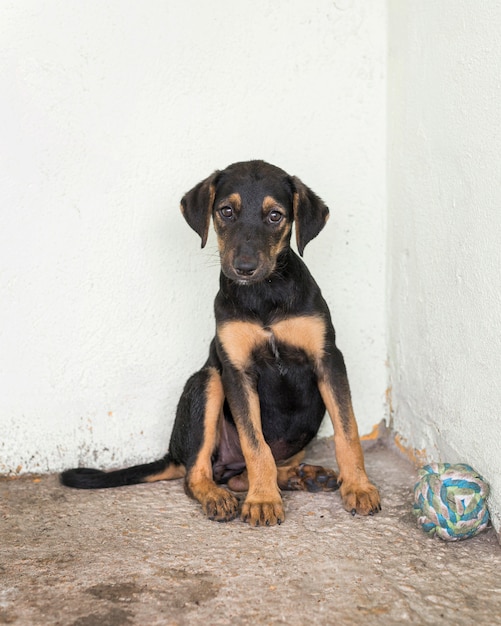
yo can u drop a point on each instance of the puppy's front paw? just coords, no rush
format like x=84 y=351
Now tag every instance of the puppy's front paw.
x=362 y=498
x=220 y=506
x=263 y=513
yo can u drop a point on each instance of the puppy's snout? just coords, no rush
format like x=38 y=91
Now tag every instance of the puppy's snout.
x=245 y=264
x=246 y=260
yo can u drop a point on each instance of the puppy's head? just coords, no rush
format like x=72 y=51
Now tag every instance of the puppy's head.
x=253 y=205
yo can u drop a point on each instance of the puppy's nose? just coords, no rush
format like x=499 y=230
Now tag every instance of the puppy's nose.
x=245 y=265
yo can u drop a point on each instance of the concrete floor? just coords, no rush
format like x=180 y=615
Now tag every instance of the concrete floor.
x=146 y=555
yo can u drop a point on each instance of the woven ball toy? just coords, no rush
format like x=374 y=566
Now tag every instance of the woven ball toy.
x=450 y=501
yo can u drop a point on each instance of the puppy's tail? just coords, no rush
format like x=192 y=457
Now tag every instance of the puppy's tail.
x=86 y=478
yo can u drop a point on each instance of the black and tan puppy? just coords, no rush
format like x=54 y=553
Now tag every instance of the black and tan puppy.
x=273 y=366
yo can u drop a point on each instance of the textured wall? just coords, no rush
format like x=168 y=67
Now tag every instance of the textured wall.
x=110 y=111
x=445 y=231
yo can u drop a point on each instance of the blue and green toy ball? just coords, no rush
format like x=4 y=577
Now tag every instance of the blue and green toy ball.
x=450 y=501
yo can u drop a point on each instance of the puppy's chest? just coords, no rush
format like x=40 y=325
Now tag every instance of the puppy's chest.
x=291 y=340
x=279 y=356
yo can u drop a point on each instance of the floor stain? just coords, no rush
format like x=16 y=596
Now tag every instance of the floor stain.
x=113 y=617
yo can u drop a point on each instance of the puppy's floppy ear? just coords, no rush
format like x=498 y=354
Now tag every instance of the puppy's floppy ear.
x=197 y=204
x=310 y=213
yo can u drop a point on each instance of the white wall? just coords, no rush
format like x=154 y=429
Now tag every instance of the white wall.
x=110 y=111
x=445 y=231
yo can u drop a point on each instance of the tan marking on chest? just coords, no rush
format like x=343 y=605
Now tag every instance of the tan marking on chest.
x=240 y=339
x=304 y=332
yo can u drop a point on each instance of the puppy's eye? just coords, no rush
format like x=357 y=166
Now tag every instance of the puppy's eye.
x=274 y=217
x=226 y=212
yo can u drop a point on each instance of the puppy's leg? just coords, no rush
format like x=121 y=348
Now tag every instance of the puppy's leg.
x=237 y=340
x=263 y=503
x=358 y=493
x=315 y=335
x=203 y=399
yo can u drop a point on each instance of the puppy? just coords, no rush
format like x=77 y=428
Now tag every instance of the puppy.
x=273 y=368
